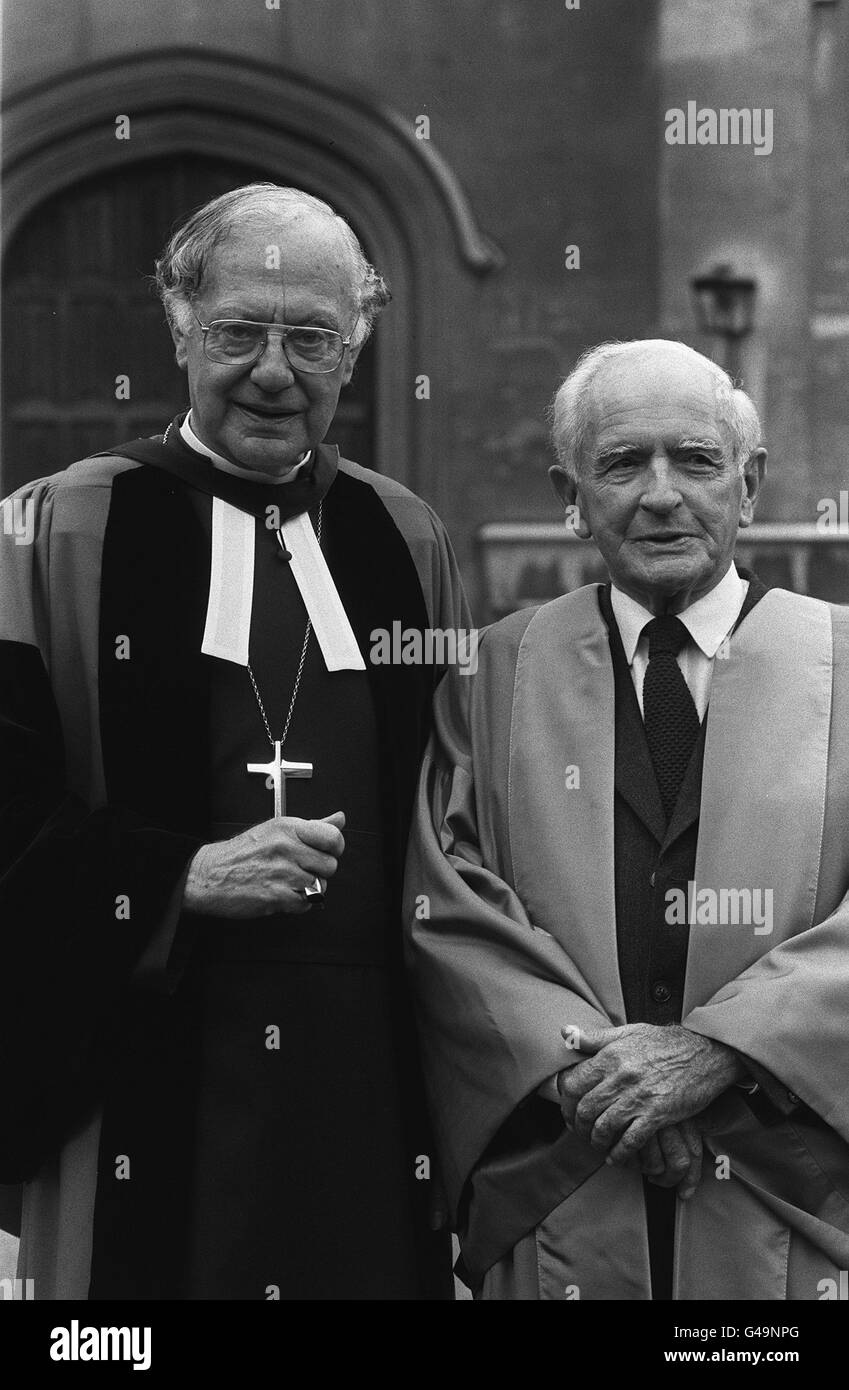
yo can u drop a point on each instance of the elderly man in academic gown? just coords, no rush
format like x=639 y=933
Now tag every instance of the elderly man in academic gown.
x=627 y=912
x=210 y=1081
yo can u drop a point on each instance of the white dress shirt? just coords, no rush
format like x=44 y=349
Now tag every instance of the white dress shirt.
x=709 y=621
x=252 y=474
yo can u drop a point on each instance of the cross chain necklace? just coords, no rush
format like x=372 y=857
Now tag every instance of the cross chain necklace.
x=279 y=770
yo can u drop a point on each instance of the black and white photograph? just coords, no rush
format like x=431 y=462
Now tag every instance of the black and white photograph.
x=424 y=670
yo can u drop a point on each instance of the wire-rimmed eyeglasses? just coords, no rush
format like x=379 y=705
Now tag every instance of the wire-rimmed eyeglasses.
x=236 y=342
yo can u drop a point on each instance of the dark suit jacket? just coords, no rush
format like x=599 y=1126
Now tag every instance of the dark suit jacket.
x=652 y=857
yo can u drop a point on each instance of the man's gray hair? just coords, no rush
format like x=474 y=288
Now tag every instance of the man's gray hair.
x=180 y=268
x=571 y=408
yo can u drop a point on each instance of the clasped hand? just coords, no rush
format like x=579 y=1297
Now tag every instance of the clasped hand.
x=265 y=869
x=638 y=1093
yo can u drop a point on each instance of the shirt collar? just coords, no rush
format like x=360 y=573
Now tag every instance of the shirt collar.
x=251 y=474
x=708 y=620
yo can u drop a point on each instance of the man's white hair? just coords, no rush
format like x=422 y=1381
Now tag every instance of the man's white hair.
x=571 y=408
x=180 y=268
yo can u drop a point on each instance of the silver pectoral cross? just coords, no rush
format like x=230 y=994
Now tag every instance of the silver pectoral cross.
x=276 y=773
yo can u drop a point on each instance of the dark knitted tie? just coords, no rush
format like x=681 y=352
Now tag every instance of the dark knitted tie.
x=671 y=717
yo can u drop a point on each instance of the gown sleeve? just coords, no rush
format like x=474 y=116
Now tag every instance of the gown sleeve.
x=492 y=991
x=84 y=889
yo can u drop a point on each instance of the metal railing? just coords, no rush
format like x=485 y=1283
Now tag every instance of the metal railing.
x=528 y=562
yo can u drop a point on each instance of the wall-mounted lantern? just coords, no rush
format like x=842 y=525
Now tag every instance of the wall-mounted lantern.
x=725 y=306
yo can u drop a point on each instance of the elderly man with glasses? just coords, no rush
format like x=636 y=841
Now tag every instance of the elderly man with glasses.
x=212 y=1087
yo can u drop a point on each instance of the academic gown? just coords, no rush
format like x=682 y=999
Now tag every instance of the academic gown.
x=514 y=857
x=204 y=1108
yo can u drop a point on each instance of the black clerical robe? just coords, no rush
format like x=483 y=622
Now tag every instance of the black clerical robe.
x=206 y=1108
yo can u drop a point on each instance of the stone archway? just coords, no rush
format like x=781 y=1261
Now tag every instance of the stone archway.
x=396 y=191
x=87 y=359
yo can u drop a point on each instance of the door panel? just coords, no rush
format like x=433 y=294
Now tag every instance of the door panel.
x=79 y=311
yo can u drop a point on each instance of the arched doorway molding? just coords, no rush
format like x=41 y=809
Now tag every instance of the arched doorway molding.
x=401 y=196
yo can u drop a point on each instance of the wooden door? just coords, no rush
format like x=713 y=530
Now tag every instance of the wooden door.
x=79 y=311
